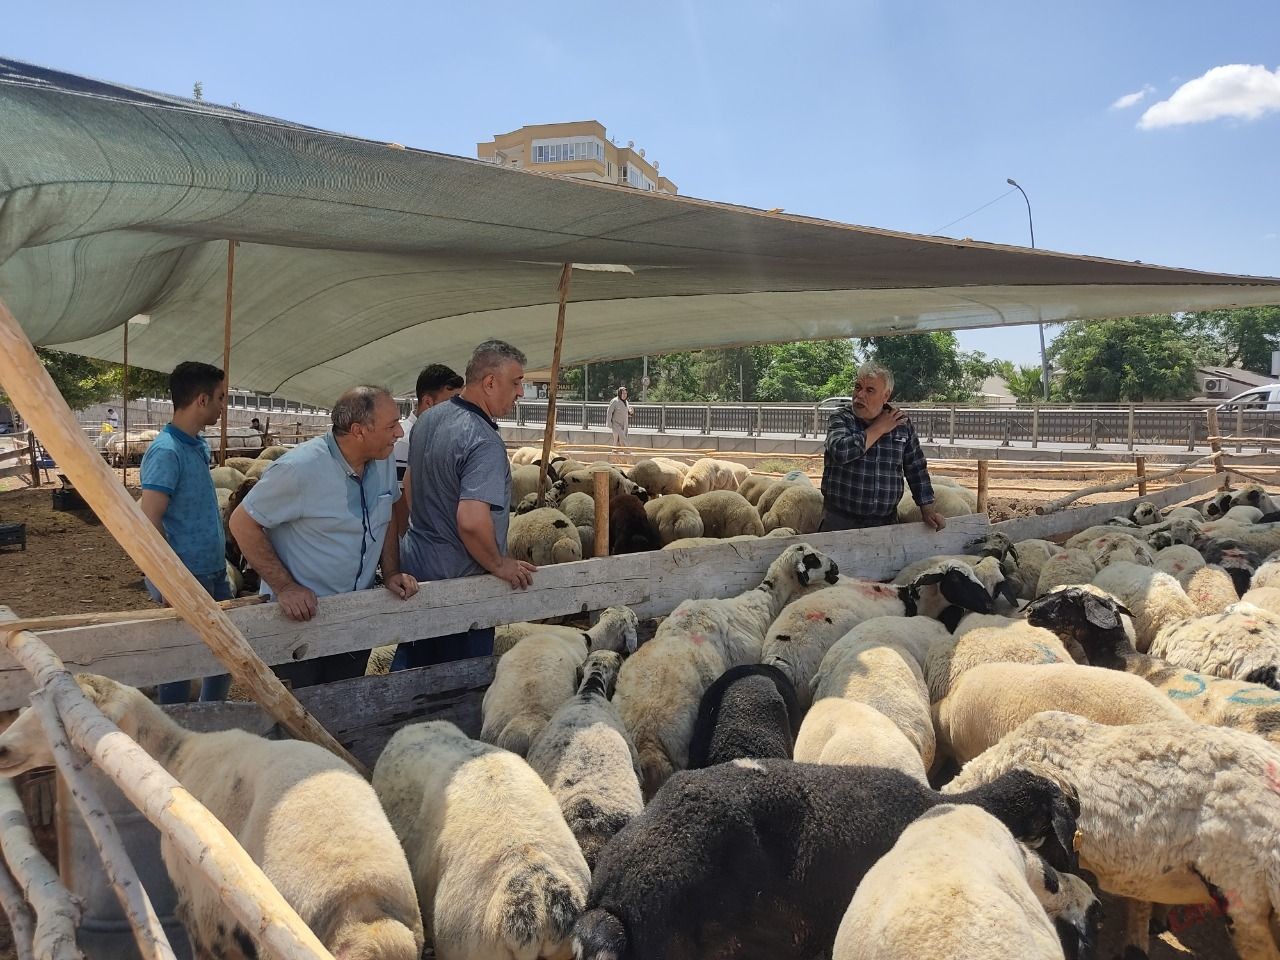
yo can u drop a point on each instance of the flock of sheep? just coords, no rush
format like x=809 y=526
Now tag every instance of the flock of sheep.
x=821 y=766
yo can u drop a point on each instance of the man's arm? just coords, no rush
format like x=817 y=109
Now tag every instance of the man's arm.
x=154 y=503
x=401 y=584
x=297 y=601
x=400 y=510
x=848 y=440
x=916 y=469
x=475 y=527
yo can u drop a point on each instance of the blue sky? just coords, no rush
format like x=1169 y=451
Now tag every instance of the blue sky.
x=898 y=114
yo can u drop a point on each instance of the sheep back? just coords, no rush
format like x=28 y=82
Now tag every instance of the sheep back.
x=750 y=711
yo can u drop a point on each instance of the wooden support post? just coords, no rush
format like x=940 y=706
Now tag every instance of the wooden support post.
x=57 y=911
x=1191 y=435
x=706 y=423
x=195 y=834
x=952 y=424
x=553 y=388
x=1035 y=426
x=601 y=496
x=1115 y=485
x=1093 y=433
x=226 y=346
x=1131 y=426
x=759 y=420
x=1215 y=445
x=982 y=486
x=152 y=942
x=18 y=914
x=1239 y=428
x=124 y=413
x=1140 y=464
x=35 y=458
x=26 y=381
x=662 y=420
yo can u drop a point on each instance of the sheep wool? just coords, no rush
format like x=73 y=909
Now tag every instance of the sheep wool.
x=524 y=482
x=798 y=507
x=749 y=712
x=543 y=536
x=948 y=501
x=753 y=487
x=990 y=700
x=1210 y=589
x=1170 y=813
x=771 y=494
x=661 y=684
x=1267 y=598
x=726 y=513
x=1180 y=561
x=498 y=872
x=710 y=474
x=507 y=635
x=305 y=817
x=1241 y=643
x=1253 y=495
x=525 y=455
x=1016 y=641
x=1032 y=554
x=585 y=756
x=674 y=517
x=988 y=896
x=850 y=733
x=1072 y=565
x=1268 y=574
x=659 y=475
x=1156 y=599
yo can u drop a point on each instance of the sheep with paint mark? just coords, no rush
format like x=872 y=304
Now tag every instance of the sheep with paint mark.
x=988 y=896
x=800 y=837
x=709 y=474
x=543 y=536
x=585 y=756
x=1210 y=589
x=661 y=684
x=1180 y=561
x=498 y=872
x=1236 y=555
x=1155 y=598
x=1072 y=565
x=850 y=733
x=1240 y=643
x=867 y=666
x=749 y=712
x=540 y=673
x=674 y=517
x=1170 y=813
x=1101 y=626
x=989 y=700
x=305 y=817
x=726 y=513
x=1013 y=641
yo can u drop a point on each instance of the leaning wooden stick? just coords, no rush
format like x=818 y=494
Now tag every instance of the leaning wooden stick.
x=195 y=833
x=152 y=942
x=553 y=388
x=57 y=911
x=1113 y=486
x=18 y=913
x=27 y=382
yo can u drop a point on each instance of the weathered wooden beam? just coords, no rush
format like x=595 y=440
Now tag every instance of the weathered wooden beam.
x=57 y=912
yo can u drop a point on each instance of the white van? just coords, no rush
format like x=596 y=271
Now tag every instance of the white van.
x=1259 y=398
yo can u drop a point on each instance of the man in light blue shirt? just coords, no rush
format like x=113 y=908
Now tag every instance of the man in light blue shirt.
x=179 y=499
x=316 y=523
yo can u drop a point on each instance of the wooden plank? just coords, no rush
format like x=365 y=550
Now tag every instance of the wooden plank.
x=155 y=651
x=17 y=470
x=18 y=454
x=1073 y=520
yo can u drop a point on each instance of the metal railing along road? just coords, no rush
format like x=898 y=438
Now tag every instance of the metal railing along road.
x=1165 y=424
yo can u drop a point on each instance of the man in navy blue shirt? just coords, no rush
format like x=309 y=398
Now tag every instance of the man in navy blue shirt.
x=871 y=447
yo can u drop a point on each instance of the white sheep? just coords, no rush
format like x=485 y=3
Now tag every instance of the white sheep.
x=753 y=486
x=726 y=513
x=1253 y=495
x=1072 y=565
x=881 y=675
x=659 y=475
x=1210 y=589
x=1145 y=513
x=1170 y=813
x=1243 y=515
x=543 y=536
x=674 y=517
x=585 y=756
x=583 y=480
x=540 y=673
x=525 y=455
x=988 y=896
x=1180 y=561
x=948 y=501
x=498 y=872
x=304 y=816
x=1013 y=641
x=507 y=635
x=1217 y=505
x=993 y=573
x=660 y=685
x=710 y=474
x=1240 y=643
x=1267 y=574
x=524 y=482
x=851 y=733
x=1031 y=556
x=1268 y=598
x=798 y=507
x=1114 y=547
x=1184 y=513
x=771 y=494
x=581 y=511
x=991 y=699
x=226 y=478
x=1156 y=599
x=685 y=543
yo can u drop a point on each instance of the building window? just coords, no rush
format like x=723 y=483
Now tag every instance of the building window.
x=579 y=148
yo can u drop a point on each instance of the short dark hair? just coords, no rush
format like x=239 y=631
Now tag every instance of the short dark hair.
x=489 y=356
x=435 y=377
x=190 y=379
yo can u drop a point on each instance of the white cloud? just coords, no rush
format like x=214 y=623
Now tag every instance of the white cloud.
x=1133 y=99
x=1243 y=91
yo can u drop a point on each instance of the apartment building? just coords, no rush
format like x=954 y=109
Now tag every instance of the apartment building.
x=578 y=149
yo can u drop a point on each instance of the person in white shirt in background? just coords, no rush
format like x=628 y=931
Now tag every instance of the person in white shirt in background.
x=436 y=383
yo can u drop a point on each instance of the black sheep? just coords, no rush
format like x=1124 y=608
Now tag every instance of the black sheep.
x=760 y=858
x=629 y=527
x=750 y=712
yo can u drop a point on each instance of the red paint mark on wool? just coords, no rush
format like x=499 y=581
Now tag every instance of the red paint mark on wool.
x=815 y=616
x=1273 y=776
x=697 y=638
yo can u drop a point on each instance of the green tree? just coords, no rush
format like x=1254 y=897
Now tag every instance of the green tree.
x=805 y=372
x=930 y=366
x=1246 y=336
x=84 y=381
x=1024 y=382
x=1125 y=358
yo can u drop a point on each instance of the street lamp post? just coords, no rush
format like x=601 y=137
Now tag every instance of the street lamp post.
x=1044 y=359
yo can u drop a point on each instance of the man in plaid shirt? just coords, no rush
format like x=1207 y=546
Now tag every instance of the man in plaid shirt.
x=870 y=448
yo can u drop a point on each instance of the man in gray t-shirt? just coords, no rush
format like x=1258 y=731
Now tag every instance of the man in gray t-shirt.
x=460 y=495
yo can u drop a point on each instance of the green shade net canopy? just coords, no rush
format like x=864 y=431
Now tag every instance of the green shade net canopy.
x=359 y=262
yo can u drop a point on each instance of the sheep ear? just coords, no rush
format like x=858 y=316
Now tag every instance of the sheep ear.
x=1012 y=552
x=1100 y=613
x=928 y=579
x=1009 y=590
x=951 y=617
x=909 y=594
x=965 y=592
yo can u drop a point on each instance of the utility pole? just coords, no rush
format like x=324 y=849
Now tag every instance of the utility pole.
x=1044 y=357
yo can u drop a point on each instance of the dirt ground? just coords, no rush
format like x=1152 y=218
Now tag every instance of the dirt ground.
x=73 y=565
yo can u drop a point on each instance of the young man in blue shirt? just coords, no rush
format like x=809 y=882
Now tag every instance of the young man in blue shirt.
x=178 y=497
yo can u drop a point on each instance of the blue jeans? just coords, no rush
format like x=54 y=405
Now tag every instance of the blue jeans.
x=455 y=646
x=211 y=688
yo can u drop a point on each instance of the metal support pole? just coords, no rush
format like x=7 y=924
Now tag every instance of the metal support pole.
x=706 y=423
x=662 y=420
x=759 y=420
x=952 y=424
x=1035 y=426
x=1239 y=428
x=1093 y=433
